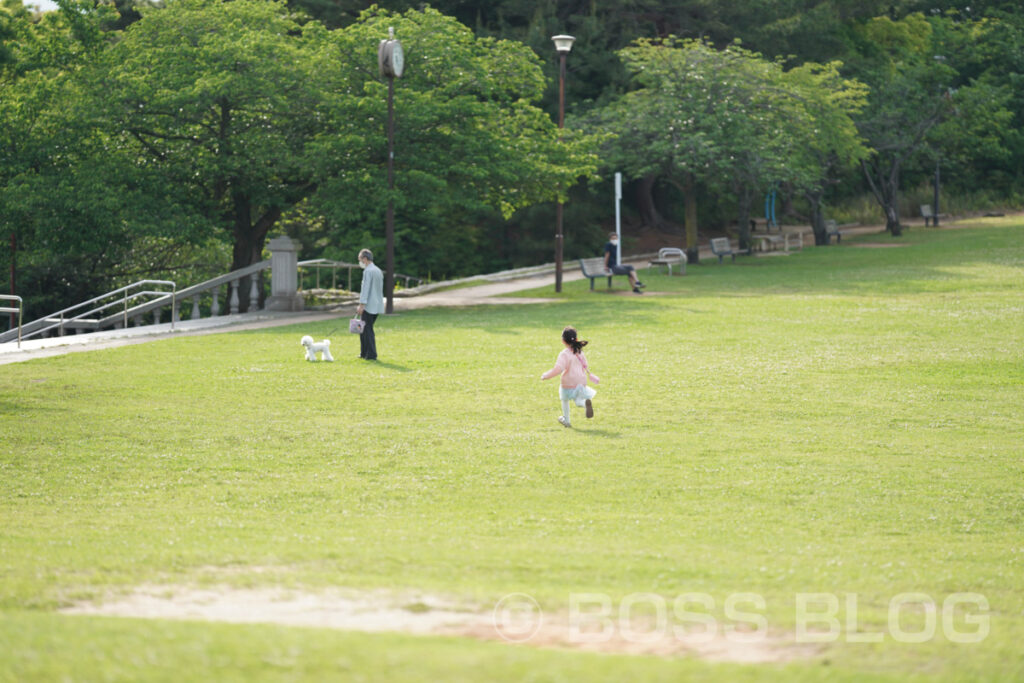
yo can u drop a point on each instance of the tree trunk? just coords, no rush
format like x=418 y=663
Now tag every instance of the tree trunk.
x=886 y=188
x=743 y=195
x=690 y=197
x=817 y=218
x=249 y=241
x=644 y=195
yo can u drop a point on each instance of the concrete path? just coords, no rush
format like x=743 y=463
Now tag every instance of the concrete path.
x=105 y=339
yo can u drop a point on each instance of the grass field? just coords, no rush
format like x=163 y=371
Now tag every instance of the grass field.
x=844 y=421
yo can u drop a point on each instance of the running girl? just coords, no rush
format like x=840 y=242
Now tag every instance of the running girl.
x=572 y=366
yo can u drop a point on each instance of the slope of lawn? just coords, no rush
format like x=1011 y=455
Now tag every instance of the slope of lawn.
x=844 y=420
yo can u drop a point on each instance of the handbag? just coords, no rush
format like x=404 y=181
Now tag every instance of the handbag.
x=355 y=326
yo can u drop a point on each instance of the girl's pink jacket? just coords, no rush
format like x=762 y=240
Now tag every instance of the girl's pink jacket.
x=572 y=367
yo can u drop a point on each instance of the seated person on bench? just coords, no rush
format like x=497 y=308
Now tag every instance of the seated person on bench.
x=611 y=263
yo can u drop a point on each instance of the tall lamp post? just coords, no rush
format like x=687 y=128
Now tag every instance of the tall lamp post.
x=563 y=44
x=391 y=62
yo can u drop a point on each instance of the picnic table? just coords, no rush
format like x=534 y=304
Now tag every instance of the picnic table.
x=775 y=242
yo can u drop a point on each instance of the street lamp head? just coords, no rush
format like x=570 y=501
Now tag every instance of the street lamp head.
x=563 y=43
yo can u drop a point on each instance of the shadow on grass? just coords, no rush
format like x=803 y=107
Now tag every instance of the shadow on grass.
x=605 y=433
x=391 y=366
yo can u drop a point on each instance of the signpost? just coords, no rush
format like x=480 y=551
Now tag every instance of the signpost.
x=618 y=216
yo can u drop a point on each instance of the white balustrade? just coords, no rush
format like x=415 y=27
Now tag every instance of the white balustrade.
x=254 y=294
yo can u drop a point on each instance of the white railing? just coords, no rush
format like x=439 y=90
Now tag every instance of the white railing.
x=212 y=287
x=74 y=319
x=84 y=316
x=9 y=309
x=205 y=297
x=334 y=266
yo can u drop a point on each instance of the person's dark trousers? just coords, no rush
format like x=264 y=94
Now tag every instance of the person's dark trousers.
x=367 y=342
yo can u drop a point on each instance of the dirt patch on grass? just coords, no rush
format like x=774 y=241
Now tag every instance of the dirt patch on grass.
x=423 y=614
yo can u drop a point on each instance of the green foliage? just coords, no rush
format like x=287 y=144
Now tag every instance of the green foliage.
x=733 y=120
x=469 y=140
x=255 y=117
x=68 y=234
x=209 y=119
x=909 y=98
x=218 y=101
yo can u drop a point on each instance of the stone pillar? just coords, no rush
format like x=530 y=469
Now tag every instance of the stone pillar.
x=284 y=276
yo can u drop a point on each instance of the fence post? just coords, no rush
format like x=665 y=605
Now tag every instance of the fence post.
x=284 y=276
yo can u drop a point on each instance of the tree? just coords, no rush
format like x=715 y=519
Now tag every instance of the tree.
x=729 y=119
x=823 y=104
x=243 y=114
x=215 y=102
x=470 y=138
x=909 y=97
x=63 y=236
x=981 y=147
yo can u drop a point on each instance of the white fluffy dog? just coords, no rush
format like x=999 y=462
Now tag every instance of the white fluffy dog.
x=313 y=348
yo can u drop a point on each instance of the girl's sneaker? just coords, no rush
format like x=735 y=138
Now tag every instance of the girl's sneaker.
x=562 y=421
x=590 y=408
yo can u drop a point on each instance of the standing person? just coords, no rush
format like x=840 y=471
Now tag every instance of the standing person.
x=572 y=366
x=371 y=303
x=612 y=265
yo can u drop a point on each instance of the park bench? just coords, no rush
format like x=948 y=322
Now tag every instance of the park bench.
x=769 y=242
x=784 y=241
x=593 y=268
x=668 y=257
x=929 y=215
x=720 y=247
x=832 y=229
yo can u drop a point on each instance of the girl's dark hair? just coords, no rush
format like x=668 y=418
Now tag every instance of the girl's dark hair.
x=569 y=337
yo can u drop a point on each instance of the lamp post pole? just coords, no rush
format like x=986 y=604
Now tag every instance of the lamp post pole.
x=389 y=214
x=563 y=44
x=391 y=62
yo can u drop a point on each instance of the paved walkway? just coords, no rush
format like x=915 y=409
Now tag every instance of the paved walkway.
x=105 y=339
x=488 y=293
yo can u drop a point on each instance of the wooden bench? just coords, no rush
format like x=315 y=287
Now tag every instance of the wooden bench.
x=593 y=268
x=720 y=247
x=769 y=242
x=929 y=215
x=798 y=240
x=668 y=257
x=832 y=229
x=758 y=222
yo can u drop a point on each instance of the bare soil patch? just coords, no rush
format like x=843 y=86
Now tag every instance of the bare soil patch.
x=422 y=614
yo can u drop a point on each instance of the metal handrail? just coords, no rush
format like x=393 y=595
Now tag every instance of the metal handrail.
x=333 y=265
x=18 y=310
x=123 y=301
x=60 y=319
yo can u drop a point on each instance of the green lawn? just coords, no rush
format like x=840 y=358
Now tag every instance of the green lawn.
x=843 y=420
